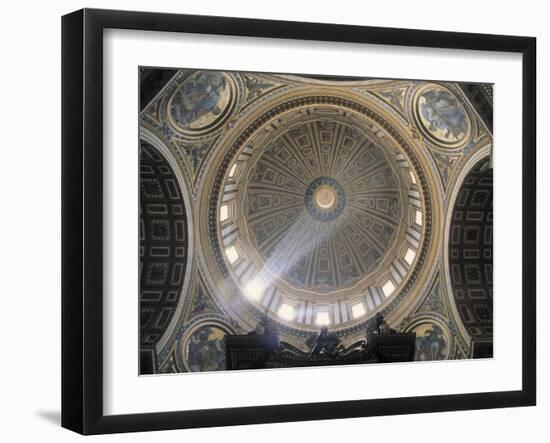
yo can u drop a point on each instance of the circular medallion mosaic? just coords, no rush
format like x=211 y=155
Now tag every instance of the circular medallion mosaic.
x=441 y=116
x=432 y=342
x=204 y=348
x=201 y=102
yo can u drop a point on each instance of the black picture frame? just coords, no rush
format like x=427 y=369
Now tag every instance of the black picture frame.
x=82 y=215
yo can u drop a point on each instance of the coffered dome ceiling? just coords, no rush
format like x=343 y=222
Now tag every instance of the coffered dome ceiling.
x=321 y=205
x=319 y=216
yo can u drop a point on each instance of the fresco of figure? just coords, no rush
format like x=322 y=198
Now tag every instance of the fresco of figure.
x=431 y=345
x=199 y=96
x=206 y=350
x=445 y=118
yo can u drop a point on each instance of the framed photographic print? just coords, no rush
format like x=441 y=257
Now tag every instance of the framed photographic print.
x=305 y=221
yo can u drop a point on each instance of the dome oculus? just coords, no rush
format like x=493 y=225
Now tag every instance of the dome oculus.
x=324 y=199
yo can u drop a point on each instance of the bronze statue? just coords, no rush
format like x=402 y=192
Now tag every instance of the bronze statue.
x=326 y=343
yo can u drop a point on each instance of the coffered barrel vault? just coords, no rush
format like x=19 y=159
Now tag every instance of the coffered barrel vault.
x=471 y=254
x=163 y=249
